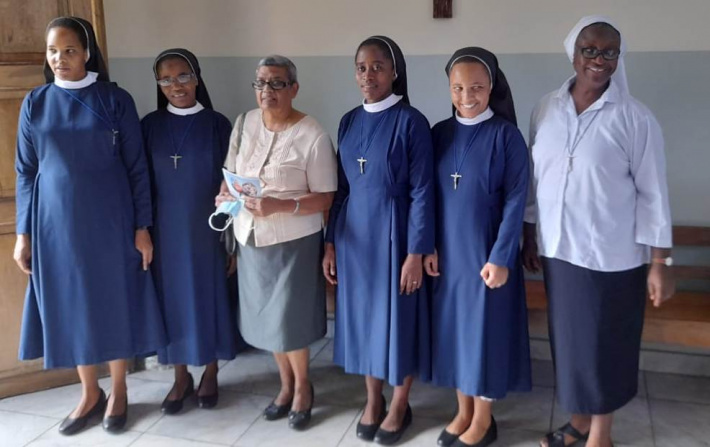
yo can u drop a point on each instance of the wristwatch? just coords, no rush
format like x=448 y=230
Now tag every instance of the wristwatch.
x=665 y=261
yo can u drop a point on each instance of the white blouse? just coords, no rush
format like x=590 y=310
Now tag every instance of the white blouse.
x=289 y=164
x=599 y=193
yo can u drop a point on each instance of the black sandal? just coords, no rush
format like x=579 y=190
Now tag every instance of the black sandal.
x=557 y=438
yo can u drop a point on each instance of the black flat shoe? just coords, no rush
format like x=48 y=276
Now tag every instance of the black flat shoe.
x=70 y=426
x=174 y=406
x=557 y=437
x=386 y=437
x=274 y=412
x=488 y=439
x=209 y=401
x=115 y=424
x=366 y=432
x=446 y=439
x=298 y=420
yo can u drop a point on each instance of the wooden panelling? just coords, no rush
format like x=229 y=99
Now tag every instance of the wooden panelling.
x=691 y=236
x=22 y=28
x=12 y=294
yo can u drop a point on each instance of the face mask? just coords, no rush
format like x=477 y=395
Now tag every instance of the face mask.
x=231 y=209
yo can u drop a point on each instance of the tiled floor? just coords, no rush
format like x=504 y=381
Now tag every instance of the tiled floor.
x=670 y=411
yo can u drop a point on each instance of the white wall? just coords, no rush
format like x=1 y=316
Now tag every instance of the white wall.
x=143 y=28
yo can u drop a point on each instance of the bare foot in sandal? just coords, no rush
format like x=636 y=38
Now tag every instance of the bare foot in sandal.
x=565 y=436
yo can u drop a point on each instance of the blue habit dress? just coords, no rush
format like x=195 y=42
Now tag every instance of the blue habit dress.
x=190 y=262
x=81 y=197
x=378 y=218
x=480 y=335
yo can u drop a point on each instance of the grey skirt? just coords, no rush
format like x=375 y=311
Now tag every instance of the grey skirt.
x=282 y=293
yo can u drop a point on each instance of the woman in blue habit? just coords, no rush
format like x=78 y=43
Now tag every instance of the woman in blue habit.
x=186 y=143
x=381 y=224
x=83 y=209
x=479 y=318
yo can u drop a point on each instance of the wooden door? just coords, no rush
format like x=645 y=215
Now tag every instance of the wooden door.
x=22 y=49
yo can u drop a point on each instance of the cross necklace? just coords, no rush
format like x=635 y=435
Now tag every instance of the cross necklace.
x=363 y=151
x=457 y=166
x=571 y=148
x=177 y=148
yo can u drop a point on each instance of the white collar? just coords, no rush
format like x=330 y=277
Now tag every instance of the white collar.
x=89 y=79
x=481 y=117
x=187 y=111
x=382 y=105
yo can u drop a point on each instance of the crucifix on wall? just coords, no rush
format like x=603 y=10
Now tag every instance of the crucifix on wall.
x=443 y=9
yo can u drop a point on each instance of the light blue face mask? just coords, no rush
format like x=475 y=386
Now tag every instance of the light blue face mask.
x=229 y=208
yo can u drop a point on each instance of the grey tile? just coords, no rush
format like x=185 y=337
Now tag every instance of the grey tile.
x=92 y=437
x=680 y=424
x=144 y=399
x=328 y=425
x=632 y=423
x=678 y=388
x=254 y=372
x=422 y=433
x=148 y=440
x=528 y=411
x=222 y=425
x=55 y=403
x=18 y=429
x=318 y=346
x=513 y=437
x=430 y=401
x=334 y=387
x=326 y=354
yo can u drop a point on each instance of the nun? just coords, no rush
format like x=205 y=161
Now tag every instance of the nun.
x=186 y=142
x=479 y=318
x=599 y=208
x=83 y=212
x=381 y=225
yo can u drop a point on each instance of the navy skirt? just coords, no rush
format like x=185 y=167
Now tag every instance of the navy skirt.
x=595 y=321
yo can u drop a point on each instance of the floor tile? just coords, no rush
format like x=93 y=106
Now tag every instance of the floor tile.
x=528 y=411
x=632 y=423
x=334 y=387
x=18 y=429
x=55 y=403
x=318 y=346
x=327 y=428
x=512 y=437
x=255 y=372
x=92 y=437
x=222 y=425
x=543 y=373
x=678 y=424
x=148 y=440
x=430 y=401
x=678 y=388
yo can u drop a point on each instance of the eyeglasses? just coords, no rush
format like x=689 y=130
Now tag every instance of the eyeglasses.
x=275 y=85
x=592 y=53
x=181 y=79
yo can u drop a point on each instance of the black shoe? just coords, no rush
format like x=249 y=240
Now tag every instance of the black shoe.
x=274 y=412
x=115 y=424
x=366 y=432
x=209 y=401
x=386 y=437
x=446 y=439
x=70 y=426
x=298 y=420
x=488 y=439
x=174 y=406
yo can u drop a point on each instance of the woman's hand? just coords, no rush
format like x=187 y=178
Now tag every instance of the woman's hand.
x=494 y=275
x=266 y=206
x=23 y=253
x=411 y=279
x=431 y=264
x=231 y=265
x=661 y=284
x=329 y=264
x=531 y=259
x=145 y=246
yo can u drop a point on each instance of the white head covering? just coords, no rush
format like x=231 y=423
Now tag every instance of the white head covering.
x=619 y=76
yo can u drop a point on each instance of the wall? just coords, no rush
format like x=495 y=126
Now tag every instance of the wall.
x=668 y=64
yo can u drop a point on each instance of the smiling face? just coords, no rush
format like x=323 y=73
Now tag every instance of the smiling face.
x=66 y=55
x=596 y=73
x=374 y=73
x=270 y=99
x=179 y=95
x=470 y=87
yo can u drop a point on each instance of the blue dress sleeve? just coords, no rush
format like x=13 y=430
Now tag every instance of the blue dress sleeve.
x=343 y=190
x=26 y=166
x=420 y=231
x=515 y=189
x=134 y=158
